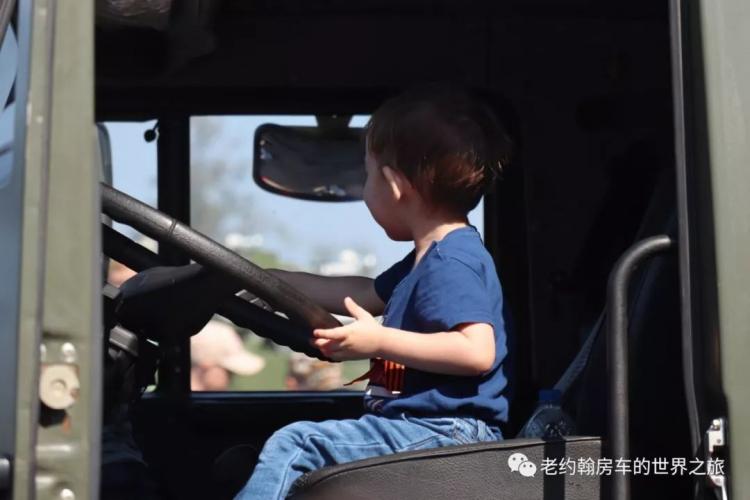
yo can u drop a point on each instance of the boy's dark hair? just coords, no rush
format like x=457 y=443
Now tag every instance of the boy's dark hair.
x=450 y=146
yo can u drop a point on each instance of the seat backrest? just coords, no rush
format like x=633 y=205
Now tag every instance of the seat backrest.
x=658 y=417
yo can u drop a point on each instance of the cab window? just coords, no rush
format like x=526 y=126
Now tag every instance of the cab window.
x=271 y=230
x=328 y=238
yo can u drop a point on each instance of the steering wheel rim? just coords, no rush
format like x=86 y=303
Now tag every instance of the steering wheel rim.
x=207 y=252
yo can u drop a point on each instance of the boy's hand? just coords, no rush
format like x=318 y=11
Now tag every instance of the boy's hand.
x=358 y=340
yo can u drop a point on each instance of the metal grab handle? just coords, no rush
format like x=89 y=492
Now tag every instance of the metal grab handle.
x=617 y=351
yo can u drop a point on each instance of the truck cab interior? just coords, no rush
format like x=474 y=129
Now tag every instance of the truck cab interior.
x=585 y=89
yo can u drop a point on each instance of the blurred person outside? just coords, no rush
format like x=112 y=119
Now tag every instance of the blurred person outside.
x=310 y=374
x=217 y=353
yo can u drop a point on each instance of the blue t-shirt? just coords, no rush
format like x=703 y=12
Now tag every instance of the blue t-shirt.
x=454 y=282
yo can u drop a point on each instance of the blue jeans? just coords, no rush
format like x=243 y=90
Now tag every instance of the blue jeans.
x=304 y=446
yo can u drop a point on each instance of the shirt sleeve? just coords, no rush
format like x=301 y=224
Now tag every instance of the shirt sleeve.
x=449 y=293
x=386 y=281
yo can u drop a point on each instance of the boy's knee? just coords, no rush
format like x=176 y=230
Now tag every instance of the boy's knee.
x=293 y=433
x=296 y=443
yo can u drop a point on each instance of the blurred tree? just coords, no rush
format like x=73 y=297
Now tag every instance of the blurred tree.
x=215 y=204
x=221 y=203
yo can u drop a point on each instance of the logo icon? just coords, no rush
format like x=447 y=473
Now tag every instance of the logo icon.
x=518 y=462
x=527 y=469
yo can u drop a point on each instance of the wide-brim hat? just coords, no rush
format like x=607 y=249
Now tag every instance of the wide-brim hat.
x=218 y=343
x=243 y=363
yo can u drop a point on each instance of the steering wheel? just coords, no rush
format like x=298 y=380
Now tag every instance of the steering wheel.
x=283 y=297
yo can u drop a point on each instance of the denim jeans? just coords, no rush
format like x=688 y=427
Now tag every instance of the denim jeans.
x=304 y=446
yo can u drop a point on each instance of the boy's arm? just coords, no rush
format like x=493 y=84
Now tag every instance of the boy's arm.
x=469 y=349
x=329 y=291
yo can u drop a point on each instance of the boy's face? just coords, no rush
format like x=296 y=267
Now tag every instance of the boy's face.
x=382 y=201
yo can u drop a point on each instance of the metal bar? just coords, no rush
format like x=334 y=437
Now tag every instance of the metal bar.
x=69 y=434
x=36 y=29
x=173 y=198
x=617 y=351
x=173 y=177
x=679 y=90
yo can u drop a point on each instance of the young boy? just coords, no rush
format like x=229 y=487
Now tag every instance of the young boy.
x=436 y=375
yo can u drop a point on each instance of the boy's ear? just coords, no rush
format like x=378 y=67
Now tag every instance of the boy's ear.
x=397 y=182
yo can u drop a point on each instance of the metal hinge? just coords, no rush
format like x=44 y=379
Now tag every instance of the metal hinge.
x=716 y=441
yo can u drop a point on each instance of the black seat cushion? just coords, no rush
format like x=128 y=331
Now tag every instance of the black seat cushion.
x=476 y=471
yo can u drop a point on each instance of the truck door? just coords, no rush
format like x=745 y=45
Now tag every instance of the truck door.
x=50 y=347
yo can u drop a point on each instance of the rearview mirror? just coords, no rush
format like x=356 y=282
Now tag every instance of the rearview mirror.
x=324 y=163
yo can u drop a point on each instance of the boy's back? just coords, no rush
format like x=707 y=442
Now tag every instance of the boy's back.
x=454 y=282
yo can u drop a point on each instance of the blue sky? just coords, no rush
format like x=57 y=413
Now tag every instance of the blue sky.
x=307 y=225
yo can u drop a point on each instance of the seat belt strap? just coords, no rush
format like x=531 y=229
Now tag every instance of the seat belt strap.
x=576 y=367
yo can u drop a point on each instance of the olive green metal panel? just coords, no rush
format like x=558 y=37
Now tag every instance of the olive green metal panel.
x=726 y=53
x=67 y=448
x=31 y=158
